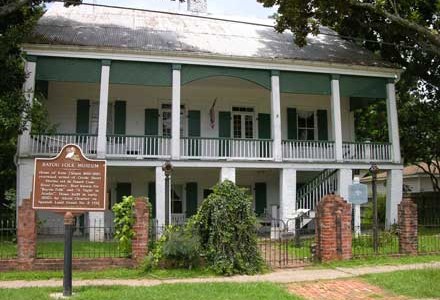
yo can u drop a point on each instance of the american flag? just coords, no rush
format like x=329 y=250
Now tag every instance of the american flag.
x=212 y=114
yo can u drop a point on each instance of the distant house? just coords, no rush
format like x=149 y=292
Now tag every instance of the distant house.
x=221 y=98
x=415 y=180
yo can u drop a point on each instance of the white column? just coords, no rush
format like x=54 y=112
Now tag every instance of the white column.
x=345 y=178
x=24 y=147
x=287 y=194
x=394 y=195
x=160 y=196
x=336 y=116
x=276 y=116
x=103 y=108
x=96 y=224
x=227 y=174
x=175 y=113
x=393 y=126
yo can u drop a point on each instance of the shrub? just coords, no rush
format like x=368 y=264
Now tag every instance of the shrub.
x=367 y=214
x=227 y=227
x=124 y=221
x=177 y=247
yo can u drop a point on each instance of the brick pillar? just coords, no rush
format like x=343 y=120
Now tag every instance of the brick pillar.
x=26 y=232
x=333 y=229
x=407 y=218
x=140 y=240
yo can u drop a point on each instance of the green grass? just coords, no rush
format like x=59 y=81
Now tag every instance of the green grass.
x=83 y=249
x=212 y=291
x=380 y=261
x=411 y=283
x=119 y=273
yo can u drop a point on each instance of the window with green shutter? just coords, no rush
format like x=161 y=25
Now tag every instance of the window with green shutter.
x=322 y=125
x=151 y=129
x=191 y=199
x=194 y=131
x=224 y=132
x=152 y=197
x=120 y=117
x=292 y=129
x=260 y=198
x=82 y=116
x=264 y=132
x=122 y=189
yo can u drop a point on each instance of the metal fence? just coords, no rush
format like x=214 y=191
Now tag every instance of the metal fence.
x=429 y=238
x=93 y=240
x=363 y=242
x=8 y=239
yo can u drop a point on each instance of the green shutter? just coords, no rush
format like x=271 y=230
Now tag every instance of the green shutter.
x=152 y=122
x=82 y=116
x=151 y=129
x=194 y=123
x=152 y=197
x=122 y=189
x=264 y=126
x=194 y=131
x=191 y=199
x=322 y=125
x=224 y=132
x=120 y=117
x=260 y=197
x=292 y=131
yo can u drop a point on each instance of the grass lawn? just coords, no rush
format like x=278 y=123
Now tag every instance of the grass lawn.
x=80 y=248
x=120 y=273
x=411 y=283
x=212 y=291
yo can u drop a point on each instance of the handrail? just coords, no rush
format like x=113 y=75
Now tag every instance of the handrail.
x=311 y=193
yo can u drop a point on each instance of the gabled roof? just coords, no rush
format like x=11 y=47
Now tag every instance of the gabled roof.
x=152 y=31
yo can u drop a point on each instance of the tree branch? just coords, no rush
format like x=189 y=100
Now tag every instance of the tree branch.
x=13 y=6
x=434 y=179
x=428 y=34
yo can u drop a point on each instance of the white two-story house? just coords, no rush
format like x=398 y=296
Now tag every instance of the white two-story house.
x=219 y=98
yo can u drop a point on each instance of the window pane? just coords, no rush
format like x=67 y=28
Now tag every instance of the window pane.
x=237 y=126
x=301 y=121
x=302 y=134
x=166 y=123
x=248 y=127
x=311 y=121
x=310 y=134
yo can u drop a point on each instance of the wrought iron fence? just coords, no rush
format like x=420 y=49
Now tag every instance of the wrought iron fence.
x=93 y=240
x=8 y=239
x=363 y=242
x=429 y=238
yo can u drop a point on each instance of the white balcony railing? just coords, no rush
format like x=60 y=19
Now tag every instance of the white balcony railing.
x=50 y=144
x=138 y=146
x=308 y=150
x=223 y=148
x=366 y=152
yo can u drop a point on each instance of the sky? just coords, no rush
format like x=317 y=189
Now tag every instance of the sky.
x=248 y=8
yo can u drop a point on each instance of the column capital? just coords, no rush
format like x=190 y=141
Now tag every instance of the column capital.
x=275 y=73
x=177 y=67
x=106 y=62
x=336 y=76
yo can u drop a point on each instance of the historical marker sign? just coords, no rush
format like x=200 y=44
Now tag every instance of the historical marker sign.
x=358 y=193
x=69 y=182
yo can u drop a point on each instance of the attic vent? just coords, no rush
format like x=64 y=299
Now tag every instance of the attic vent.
x=198 y=6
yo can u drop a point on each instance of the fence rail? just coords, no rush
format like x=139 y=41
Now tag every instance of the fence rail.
x=50 y=144
x=8 y=239
x=138 y=146
x=366 y=152
x=308 y=150
x=223 y=148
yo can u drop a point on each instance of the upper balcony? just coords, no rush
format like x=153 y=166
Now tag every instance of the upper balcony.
x=155 y=111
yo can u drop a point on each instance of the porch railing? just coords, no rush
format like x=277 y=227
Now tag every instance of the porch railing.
x=49 y=144
x=366 y=152
x=223 y=148
x=308 y=150
x=138 y=146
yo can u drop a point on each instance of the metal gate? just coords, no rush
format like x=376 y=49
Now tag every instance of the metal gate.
x=286 y=244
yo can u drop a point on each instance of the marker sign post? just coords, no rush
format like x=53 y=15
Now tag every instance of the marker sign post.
x=357 y=195
x=69 y=183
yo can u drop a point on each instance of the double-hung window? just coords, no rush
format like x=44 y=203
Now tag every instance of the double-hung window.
x=306 y=125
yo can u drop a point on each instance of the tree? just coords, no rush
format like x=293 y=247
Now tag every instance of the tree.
x=404 y=32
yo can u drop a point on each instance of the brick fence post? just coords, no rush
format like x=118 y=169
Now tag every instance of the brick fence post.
x=140 y=240
x=333 y=229
x=26 y=233
x=408 y=227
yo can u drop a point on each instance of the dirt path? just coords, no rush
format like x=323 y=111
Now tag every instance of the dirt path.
x=279 y=276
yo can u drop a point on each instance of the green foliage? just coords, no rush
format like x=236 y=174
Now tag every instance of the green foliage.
x=367 y=213
x=227 y=225
x=179 y=246
x=124 y=220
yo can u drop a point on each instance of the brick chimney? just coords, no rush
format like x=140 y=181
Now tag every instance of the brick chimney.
x=198 y=6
